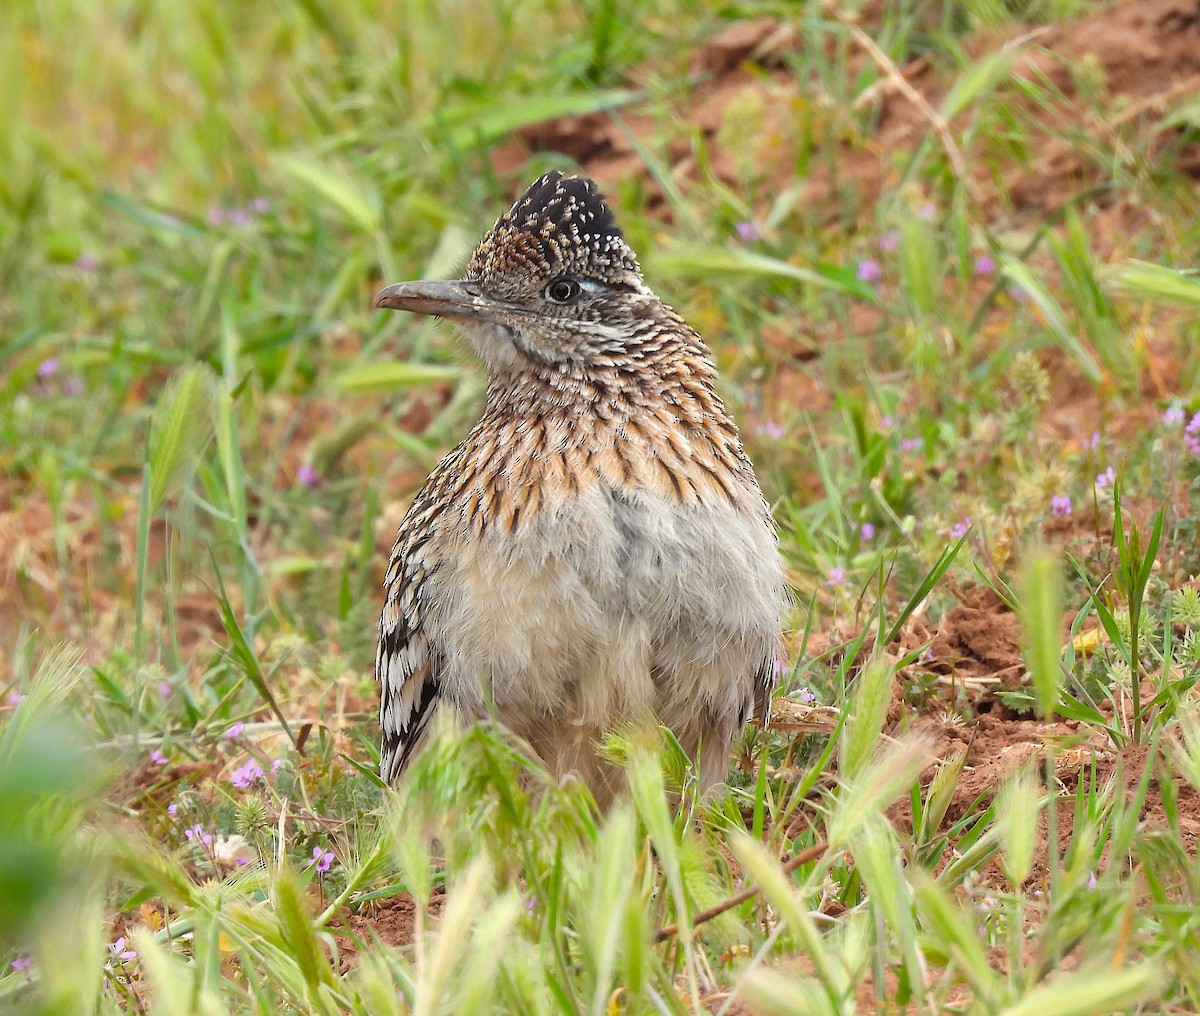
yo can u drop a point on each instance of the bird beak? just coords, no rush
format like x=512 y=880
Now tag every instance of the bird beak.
x=445 y=299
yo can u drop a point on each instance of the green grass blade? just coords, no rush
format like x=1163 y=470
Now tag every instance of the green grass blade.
x=347 y=196
x=1142 y=280
x=179 y=429
x=1041 y=624
x=1092 y=991
x=695 y=262
x=1053 y=315
x=392 y=376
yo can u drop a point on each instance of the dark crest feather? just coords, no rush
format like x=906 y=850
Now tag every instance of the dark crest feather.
x=563 y=201
x=561 y=225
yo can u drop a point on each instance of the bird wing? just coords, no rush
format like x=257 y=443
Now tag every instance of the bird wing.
x=407 y=666
x=766 y=679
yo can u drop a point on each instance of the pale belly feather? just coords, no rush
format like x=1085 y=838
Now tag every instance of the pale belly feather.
x=611 y=607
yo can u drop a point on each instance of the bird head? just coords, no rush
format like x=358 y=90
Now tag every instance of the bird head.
x=553 y=283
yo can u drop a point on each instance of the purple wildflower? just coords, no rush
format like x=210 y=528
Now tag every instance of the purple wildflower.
x=119 y=952
x=771 y=429
x=1105 y=479
x=927 y=211
x=1191 y=435
x=197 y=834
x=805 y=695
x=306 y=476
x=869 y=271
x=1173 y=416
x=158 y=758
x=215 y=215
x=22 y=963
x=1018 y=294
x=984 y=265
x=1093 y=441
x=890 y=240
x=164 y=689
x=48 y=368
x=912 y=444
x=866 y=532
x=1060 y=504
x=240 y=217
x=246 y=775
x=887 y=422
x=260 y=206
x=234 y=732
x=1091 y=882
x=836 y=577
x=15 y=698
x=321 y=859
x=960 y=528
x=87 y=263
x=173 y=809
x=276 y=765
x=748 y=231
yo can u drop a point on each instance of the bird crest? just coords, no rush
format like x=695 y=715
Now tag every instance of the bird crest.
x=560 y=226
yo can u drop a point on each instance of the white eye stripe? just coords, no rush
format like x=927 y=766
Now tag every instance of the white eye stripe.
x=591 y=285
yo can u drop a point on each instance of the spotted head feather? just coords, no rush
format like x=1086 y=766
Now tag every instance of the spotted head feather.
x=560 y=226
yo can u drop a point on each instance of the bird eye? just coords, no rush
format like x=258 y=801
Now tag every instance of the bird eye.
x=562 y=290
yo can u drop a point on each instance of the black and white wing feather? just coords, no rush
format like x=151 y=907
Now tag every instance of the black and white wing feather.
x=766 y=680
x=408 y=665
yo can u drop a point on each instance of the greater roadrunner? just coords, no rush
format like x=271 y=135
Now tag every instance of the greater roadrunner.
x=597 y=549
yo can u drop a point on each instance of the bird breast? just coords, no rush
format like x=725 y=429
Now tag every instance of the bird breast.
x=607 y=600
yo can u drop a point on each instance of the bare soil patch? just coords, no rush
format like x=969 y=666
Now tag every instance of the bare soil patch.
x=392 y=921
